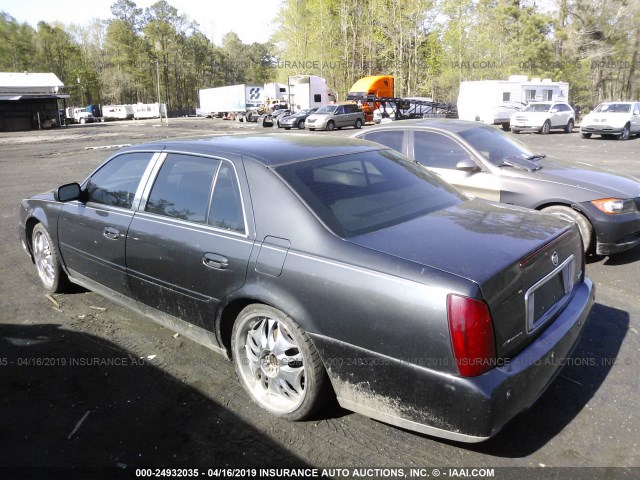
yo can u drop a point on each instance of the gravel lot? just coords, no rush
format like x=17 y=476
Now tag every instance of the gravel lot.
x=86 y=383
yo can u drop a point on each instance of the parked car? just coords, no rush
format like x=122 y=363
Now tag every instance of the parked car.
x=337 y=116
x=269 y=119
x=542 y=117
x=621 y=119
x=485 y=162
x=327 y=266
x=295 y=120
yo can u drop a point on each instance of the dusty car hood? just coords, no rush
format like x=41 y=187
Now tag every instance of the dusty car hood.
x=475 y=239
x=601 y=182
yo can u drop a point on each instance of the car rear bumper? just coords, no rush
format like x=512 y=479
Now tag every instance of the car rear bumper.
x=417 y=396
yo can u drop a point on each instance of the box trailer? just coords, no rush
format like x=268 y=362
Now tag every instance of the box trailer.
x=493 y=101
x=309 y=91
x=231 y=99
x=276 y=91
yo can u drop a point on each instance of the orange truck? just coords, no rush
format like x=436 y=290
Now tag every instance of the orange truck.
x=368 y=88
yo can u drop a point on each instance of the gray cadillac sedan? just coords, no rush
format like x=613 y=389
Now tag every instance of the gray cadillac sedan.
x=327 y=267
x=485 y=162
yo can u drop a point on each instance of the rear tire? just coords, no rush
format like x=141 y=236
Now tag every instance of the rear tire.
x=358 y=124
x=505 y=127
x=277 y=363
x=515 y=130
x=569 y=127
x=568 y=213
x=47 y=260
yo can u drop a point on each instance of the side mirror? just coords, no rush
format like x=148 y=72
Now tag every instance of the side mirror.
x=554 y=110
x=636 y=112
x=468 y=165
x=68 y=192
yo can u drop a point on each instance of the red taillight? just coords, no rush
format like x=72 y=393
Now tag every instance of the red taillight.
x=471 y=335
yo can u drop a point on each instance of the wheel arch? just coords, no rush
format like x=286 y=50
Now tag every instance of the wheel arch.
x=280 y=299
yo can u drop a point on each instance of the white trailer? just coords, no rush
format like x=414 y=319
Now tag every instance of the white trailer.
x=309 y=91
x=231 y=99
x=276 y=91
x=149 y=110
x=117 y=112
x=493 y=101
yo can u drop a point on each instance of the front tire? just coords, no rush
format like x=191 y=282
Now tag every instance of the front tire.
x=277 y=363
x=301 y=125
x=546 y=128
x=586 y=135
x=626 y=131
x=568 y=213
x=47 y=260
x=330 y=126
x=515 y=130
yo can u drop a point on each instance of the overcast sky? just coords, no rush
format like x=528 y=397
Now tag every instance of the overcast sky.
x=250 y=19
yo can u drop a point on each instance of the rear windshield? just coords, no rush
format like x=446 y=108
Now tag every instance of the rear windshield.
x=364 y=192
x=538 y=107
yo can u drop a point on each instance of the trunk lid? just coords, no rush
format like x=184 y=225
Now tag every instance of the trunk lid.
x=524 y=262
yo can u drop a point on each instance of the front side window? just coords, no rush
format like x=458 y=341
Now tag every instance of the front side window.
x=494 y=145
x=365 y=192
x=116 y=182
x=435 y=150
x=182 y=188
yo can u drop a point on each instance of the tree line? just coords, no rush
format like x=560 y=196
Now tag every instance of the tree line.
x=429 y=46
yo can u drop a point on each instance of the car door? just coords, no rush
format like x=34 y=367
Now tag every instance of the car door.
x=441 y=154
x=339 y=116
x=188 y=245
x=92 y=232
x=395 y=139
x=635 y=118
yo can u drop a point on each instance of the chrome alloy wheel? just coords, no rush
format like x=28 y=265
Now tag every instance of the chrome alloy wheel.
x=271 y=363
x=43 y=258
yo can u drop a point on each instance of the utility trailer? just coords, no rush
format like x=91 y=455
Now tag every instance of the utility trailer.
x=221 y=101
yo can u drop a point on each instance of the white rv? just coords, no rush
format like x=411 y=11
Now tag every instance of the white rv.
x=493 y=101
x=149 y=110
x=309 y=91
x=117 y=112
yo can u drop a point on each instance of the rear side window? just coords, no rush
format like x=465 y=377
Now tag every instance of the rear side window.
x=391 y=139
x=183 y=187
x=117 y=181
x=225 y=211
x=360 y=193
x=437 y=151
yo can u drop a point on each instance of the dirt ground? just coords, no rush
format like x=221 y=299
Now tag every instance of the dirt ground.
x=89 y=385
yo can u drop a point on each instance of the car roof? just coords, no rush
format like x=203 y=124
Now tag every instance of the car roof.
x=269 y=149
x=449 y=124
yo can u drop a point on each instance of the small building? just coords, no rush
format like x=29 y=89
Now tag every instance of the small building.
x=29 y=101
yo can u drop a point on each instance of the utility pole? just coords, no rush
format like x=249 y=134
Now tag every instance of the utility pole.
x=159 y=104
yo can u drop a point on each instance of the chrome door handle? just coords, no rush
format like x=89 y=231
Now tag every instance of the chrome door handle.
x=214 y=260
x=111 y=233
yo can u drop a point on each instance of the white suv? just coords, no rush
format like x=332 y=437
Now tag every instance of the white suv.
x=612 y=118
x=543 y=116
